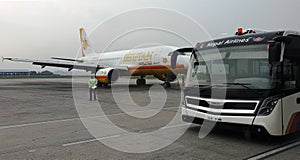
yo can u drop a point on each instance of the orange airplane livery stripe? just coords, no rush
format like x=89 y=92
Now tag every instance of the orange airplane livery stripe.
x=101 y=77
x=154 y=67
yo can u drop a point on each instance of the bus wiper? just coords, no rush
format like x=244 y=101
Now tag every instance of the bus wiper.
x=245 y=85
x=211 y=86
x=240 y=84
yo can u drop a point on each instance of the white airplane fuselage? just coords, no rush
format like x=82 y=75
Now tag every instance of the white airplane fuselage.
x=108 y=66
x=139 y=62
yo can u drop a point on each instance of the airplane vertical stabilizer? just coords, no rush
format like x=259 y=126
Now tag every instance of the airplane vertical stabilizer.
x=86 y=46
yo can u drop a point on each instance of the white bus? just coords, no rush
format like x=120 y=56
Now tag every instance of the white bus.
x=251 y=80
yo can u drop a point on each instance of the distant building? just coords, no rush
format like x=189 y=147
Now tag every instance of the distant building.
x=46 y=73
x=33 y=73
x=14 y=72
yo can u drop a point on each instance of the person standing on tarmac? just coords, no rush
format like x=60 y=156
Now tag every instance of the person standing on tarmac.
x=92 y=87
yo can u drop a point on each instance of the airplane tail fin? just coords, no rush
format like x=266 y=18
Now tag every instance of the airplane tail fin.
x=86 y=46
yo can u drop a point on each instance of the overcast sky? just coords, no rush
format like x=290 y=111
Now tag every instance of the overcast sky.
x=45 y=28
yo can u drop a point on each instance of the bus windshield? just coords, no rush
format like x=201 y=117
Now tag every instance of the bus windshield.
x=238 y=67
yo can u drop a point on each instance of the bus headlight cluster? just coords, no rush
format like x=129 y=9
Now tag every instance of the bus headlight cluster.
x=268 y=106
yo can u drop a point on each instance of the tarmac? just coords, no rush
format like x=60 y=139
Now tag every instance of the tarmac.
x=54 y=119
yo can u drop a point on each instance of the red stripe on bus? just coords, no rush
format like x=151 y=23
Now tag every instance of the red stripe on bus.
x=293 y=124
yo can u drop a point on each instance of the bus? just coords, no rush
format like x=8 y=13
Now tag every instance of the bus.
x=249 y=80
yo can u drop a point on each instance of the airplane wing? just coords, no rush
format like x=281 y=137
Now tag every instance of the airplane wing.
x=66 y=59
x=69 y=62
x=63 y=64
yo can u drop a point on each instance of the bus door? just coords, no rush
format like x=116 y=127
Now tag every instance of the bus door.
x=290 y=103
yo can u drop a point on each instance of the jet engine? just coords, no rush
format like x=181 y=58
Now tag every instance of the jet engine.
x=107 y=75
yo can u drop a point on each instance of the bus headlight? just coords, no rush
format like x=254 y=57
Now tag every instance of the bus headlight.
x=268 y=106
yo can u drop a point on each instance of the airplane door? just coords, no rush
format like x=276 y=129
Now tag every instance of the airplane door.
x=156 y=59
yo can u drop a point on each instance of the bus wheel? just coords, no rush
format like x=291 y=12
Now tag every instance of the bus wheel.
x=247 y=134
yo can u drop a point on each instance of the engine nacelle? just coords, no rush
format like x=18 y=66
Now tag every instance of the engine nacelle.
x=107 y=75
x=162 y=77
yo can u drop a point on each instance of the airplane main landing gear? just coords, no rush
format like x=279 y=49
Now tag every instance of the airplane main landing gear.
x=141 y=81
x=99 y=84
x=167 y=84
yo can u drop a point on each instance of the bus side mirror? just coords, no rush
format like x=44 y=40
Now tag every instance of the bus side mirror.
x=274 y=52
x=275 y=48
x=284 y=39
x=196 y=64
x=297 y=74
x=292 y=48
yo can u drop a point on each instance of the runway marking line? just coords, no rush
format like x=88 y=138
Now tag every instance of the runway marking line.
x=37 y=123
x=176 y=125
x=70 y=119
x=113 y=136
x=274 y=151
x=89 y=140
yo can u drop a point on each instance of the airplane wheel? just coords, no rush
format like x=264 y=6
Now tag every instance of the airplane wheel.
x=138 y=82
x=143 y=81
x=99 y=84
x=105 y=85
x=167 y=84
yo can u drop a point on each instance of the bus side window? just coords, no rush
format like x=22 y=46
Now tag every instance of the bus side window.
x=264 y=69
x=297 y=74
x=289 y=74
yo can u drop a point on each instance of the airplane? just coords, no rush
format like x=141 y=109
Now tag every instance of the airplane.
x=163 y=62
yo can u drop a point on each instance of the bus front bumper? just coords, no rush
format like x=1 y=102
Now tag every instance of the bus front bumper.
x=255 y=123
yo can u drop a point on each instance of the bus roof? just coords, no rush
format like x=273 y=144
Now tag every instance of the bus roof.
x=246 y=39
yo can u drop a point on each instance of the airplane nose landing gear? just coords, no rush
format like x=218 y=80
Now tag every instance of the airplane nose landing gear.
x=141 y=81
x=166 y=84
x=168 y=78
